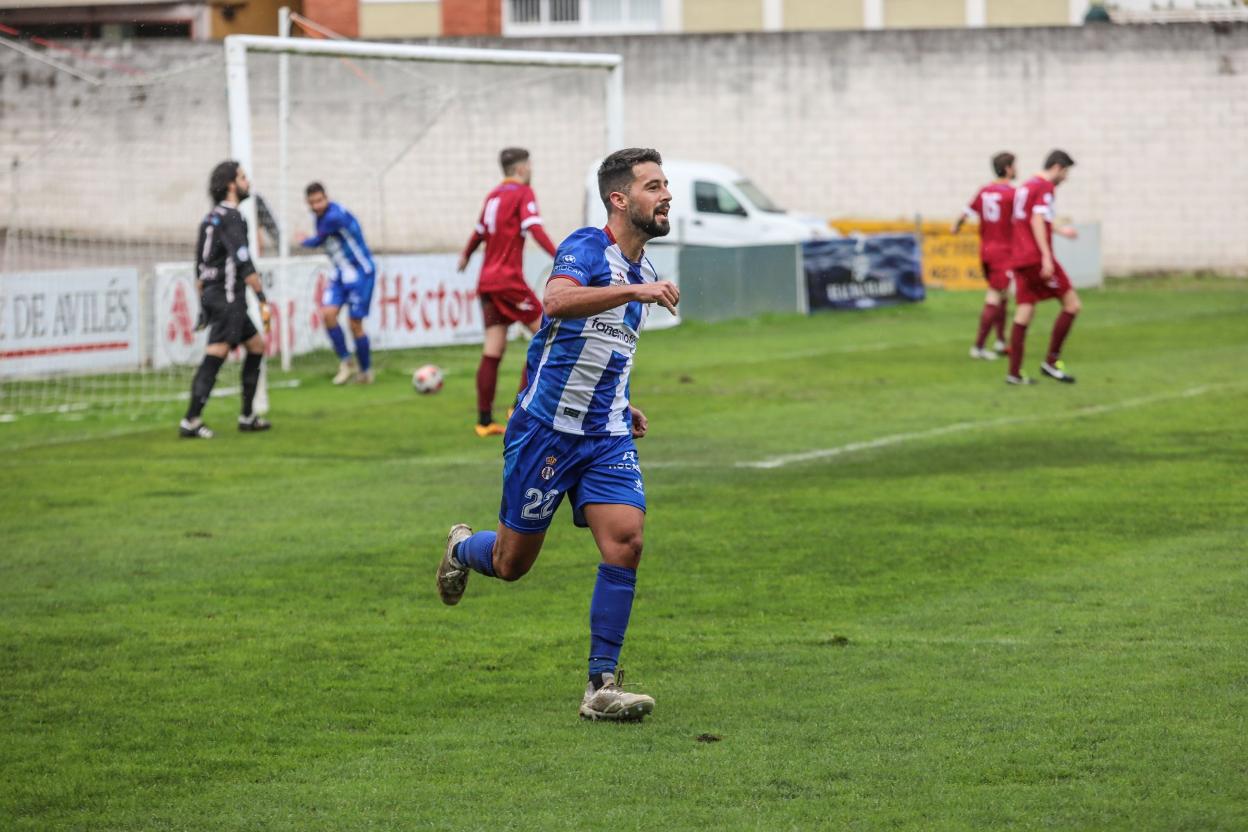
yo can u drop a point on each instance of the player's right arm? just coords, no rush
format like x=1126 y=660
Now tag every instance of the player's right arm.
x=332 y=220
x=973 y=209
x=477 y=238
x=580 y=263
x=1040 y=232
x=567 y=298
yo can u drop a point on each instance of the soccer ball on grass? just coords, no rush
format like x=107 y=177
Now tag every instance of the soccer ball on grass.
x=427 y=379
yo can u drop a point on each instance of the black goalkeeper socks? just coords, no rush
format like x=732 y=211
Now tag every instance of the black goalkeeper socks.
x=251 y=378
x=201 y=387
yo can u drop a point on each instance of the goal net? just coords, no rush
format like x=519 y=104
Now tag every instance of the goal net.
x=99 y=207
x=407 y=138
x=104 y=177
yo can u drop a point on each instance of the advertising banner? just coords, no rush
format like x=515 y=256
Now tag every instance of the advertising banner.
x=418 y=300
x=79 y=320
x=861 y=272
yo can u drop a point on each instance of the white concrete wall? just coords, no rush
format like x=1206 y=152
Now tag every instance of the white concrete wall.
x=880 y=124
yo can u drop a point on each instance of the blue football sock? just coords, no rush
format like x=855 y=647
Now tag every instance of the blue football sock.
x=477 y=552
x=339 y=341
x=608 y=616
x=363 y=353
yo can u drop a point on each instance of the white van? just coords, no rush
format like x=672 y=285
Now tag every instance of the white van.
x=714 y=205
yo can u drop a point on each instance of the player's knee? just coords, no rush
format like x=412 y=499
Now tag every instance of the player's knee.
x=357 y=328
x=625 y=550
x=510 y=569
x=330 y=316
x=1072 y=306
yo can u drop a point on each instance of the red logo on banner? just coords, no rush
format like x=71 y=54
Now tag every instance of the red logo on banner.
x=181 y=324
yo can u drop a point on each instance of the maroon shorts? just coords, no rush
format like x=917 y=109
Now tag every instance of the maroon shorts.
x=998 y=277
x=512 y=305
x=1030 y=287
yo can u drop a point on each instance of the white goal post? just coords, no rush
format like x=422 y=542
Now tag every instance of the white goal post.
x=239 y=47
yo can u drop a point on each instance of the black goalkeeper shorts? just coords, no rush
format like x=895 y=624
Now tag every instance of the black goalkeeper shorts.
x=228 y=323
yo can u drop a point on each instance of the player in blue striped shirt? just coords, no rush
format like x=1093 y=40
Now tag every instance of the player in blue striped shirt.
x=352 y=284
x=574 y=428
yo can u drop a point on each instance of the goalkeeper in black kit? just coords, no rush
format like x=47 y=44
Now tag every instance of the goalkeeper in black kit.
x=224 y=270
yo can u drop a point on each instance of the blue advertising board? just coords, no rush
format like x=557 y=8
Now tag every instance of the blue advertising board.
x=863 y=271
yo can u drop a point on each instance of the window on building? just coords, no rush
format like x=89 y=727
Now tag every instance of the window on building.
x=573 y=17
x=525 y=11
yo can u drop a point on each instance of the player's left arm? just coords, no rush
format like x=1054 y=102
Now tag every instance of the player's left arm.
x=539 y=234
x=640 y=423
x=234 y=236
x=234 y=233
x=531 y=223
x=266 y=311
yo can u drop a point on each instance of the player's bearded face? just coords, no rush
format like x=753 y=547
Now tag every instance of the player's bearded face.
x=649 y=204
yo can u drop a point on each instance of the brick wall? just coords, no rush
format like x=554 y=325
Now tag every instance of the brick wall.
x=472 y=18
x=342 y=16
x=881 y=124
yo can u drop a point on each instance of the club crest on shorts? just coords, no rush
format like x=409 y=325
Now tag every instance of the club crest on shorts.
x=548 y=472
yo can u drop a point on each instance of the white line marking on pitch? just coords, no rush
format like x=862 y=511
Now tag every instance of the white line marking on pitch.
x=960 y=427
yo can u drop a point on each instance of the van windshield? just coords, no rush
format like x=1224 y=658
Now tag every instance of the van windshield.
x=753 y=194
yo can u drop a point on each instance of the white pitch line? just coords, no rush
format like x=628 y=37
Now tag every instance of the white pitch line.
x=960 y=427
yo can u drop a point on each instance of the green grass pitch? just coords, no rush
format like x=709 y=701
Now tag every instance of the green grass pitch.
x=943 y=603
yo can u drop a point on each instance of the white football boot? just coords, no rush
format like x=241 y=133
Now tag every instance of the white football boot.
x=983 y=354
x=1057 y=372
x=453 y=575
x=345 y=372
x=612 y=702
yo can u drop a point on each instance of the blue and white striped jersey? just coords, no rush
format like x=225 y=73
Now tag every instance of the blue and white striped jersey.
x=579 y=368
x=339 y=231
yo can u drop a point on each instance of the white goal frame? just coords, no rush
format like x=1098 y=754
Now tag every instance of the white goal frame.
x=237 y=47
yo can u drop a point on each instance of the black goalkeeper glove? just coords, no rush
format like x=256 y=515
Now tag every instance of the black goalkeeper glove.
x=202 y=321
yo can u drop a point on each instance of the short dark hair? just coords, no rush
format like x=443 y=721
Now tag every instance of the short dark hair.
x=509 y=157
x=1001 y=163
x=616 y=171
x=314 y=188
x=222 y=176
x=1058 y=157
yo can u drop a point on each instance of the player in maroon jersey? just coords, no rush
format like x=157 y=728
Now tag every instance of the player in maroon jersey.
x=1037 y=274
x=509 y=214
x=994 y=206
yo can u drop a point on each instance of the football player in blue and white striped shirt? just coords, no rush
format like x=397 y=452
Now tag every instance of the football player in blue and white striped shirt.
x=352 y=284
x=574 y=428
